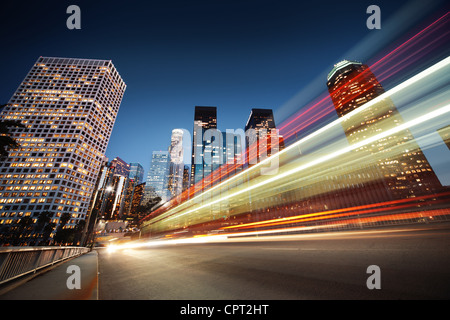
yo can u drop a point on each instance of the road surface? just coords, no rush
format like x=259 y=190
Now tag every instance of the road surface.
x=413 y=264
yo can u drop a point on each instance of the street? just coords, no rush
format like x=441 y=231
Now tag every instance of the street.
x=413 y=263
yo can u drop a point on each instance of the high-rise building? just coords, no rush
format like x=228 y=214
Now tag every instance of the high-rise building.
x=175 y=182
x=157 y=178
x=112 y=190
x=186 y=177
x=135 y=177
x=260 y=132
x=69 y=107
x=233 y=156
x=136 y=200
x=136 y=172
x=407 y=173
x=205 y=118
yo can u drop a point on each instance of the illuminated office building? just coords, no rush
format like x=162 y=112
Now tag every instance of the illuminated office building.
x=69 y=107
x=352 y=84
x=205 y=118
x=186 y=177
x=112 y=190
x=176 y=166
x=213 y=151
x=136 y=172
x=135 y=177
x=157 y=178
x=258 y=141
x=233 y=156
x=138 y=194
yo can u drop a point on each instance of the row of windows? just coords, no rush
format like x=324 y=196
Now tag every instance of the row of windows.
x=48 y=61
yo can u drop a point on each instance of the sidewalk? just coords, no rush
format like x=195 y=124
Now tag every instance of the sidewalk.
x=51 y=283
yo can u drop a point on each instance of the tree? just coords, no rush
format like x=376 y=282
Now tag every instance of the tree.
x=5 y=234
x=43 y=218
x=47 y=231
x=78 y=231
x=22 y=229
x=43 y=225
x=147 y=207
x=63 y=235
x=65 y=217
x=6 y=141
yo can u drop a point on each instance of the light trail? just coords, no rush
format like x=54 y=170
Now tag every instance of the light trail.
x=211 y=180
x=415 y=44
x=232 y=193
x=407 y=125
x=345 y=211
x=320 y=131
x=192 y=208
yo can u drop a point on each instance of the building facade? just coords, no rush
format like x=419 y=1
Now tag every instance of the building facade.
x=406 y=174
x=112 y=190
x=68 y=107
x=158 y=176
x=136 y=172
x=205 y=118
x=261 y=136
x=176 y=166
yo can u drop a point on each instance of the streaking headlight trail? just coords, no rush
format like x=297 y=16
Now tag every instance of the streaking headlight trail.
x=324 y=163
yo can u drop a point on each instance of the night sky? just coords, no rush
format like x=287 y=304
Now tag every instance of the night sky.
x=174 y=55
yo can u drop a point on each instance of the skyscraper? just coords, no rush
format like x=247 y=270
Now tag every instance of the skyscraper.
x=135 y=177
x=112 y=189
x=407 y=173
x=175 y=182
x=233 y=156
x=138 y=193
x=69 y=107
x=157 y=178
x=136 y=172
x=186 y=177
x=205 y=118
x=259 y=129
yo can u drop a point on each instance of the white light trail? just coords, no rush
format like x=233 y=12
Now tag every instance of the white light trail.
x=415 y=79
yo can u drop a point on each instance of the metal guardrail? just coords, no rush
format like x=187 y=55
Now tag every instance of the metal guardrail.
x=18 y=261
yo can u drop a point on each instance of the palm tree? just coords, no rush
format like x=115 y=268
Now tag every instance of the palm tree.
x=47 y=231
x=42 y=220
x=65 y=217
x=6 y=141
x=22 y=230
x=62 y=235
x=78 y=232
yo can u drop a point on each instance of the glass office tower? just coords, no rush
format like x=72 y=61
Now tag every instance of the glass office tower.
x=157 y=178
x=136 y=172
x=205 y=118
x=175 y=182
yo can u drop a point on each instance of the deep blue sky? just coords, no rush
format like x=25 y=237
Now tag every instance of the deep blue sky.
x=174 y=55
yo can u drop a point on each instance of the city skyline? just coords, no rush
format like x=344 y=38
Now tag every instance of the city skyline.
x=241 y=149
x=250 y=57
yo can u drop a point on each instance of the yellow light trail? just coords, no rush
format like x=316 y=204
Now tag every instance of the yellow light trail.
x=192 y=208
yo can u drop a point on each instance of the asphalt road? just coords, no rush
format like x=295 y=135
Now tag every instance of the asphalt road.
x=413 y=264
